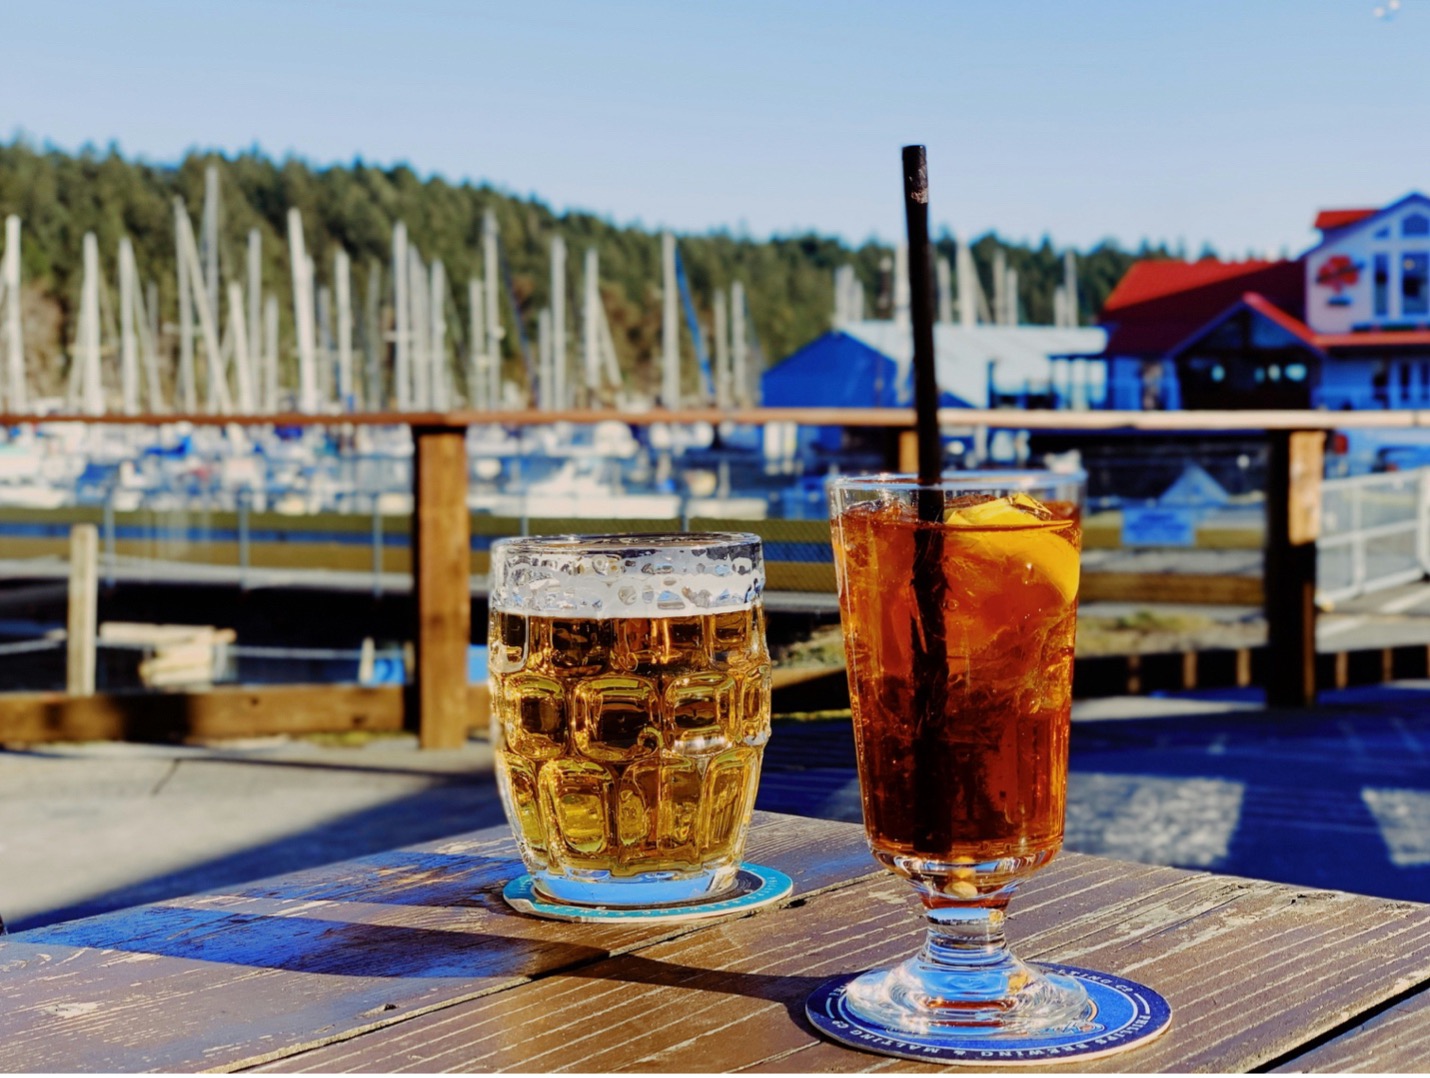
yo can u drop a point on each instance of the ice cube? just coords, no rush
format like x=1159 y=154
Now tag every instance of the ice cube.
x=999 y=512
x=1039 y=553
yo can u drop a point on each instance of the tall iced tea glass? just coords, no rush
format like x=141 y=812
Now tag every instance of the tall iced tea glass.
x=959 y=605
x=630 y=708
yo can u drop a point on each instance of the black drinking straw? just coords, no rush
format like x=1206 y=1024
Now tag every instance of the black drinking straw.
x=921 y=307
x=931 y=775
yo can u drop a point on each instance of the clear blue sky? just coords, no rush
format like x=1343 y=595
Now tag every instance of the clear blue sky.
x=1223 y=120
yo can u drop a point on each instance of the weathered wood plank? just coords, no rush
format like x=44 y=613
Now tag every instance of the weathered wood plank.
x=220 y=712
x=233 y=978
x=1222 y=589
x=956 y=418
x=1396 y=1041
x=1252 y=969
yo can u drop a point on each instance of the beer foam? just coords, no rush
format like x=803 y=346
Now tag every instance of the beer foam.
x=627 y=576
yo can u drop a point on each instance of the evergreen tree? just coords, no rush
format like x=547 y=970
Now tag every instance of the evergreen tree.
x=788 y=280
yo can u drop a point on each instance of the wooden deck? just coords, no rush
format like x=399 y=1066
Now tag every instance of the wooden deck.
x=410 y=961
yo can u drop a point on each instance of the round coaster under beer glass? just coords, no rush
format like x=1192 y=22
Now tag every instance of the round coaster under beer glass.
x=756 y=886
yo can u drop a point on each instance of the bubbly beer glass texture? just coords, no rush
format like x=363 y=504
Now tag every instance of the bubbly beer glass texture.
x=631 y=702
x=981 y=776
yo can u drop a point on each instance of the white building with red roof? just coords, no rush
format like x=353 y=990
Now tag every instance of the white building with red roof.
x=1370 y=274
x=1346 y=325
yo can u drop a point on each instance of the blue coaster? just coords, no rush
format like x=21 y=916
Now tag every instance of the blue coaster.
x=756 y=886
x=1125 y=1014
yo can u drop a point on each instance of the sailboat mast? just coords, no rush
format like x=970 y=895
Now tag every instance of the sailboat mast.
x=402 y=359
x=968 y=290
x=437 y=397
x=723 y=396
x=342 y=287
x=270 y=353
x=476 y=347
x=590 y=326
x=128 y=337
x=558 y=322
x=91 y=392
x=944 y=274
x=255 y=292
x=419 y=364
x=210 y=238
x=303 y=315
x=242 y=353
x=739 y=345
x=188 y=386
x=491 y=271
x=669 y=326
x=15 y=397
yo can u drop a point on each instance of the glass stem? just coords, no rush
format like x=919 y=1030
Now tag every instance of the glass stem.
x=966 y=936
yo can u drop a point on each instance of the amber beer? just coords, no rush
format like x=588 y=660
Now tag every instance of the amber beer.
x=959 y=633
x=628 y=739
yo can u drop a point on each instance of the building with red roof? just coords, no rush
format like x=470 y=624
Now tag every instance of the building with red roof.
x=1346 y=325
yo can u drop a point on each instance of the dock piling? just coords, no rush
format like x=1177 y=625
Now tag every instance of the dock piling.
x=83 y=610
x=1293 y=524
x=441 y=542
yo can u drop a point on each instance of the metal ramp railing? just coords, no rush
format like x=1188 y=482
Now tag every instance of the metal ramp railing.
x=1375 y=533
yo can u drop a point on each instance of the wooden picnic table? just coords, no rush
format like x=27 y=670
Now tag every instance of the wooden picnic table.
x=409 y=960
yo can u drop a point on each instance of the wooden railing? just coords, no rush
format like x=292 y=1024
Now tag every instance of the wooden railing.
x=441 y=525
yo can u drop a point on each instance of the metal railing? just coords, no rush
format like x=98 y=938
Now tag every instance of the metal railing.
x=1375 y=533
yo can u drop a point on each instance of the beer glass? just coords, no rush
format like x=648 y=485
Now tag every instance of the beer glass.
x=959 y=605
x=630 y=708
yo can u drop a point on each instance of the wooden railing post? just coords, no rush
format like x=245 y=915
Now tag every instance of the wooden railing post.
x=1293 y=524
x=83 y=610
x=901 y=450
x=441 y=588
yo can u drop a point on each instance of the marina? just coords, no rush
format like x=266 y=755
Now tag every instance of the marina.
x=527 y=542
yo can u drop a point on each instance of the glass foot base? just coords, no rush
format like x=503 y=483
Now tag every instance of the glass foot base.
x=755 y=886
x=1108 y=1014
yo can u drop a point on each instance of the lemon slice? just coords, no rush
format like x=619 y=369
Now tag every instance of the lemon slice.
x=1040 y=552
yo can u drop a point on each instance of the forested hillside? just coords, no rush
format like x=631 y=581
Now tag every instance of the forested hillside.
x=789 y=280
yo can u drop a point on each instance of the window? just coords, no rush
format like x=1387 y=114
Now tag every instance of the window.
x=1415 y=284
x=1380 y=382
x=1415 y=224
x=1380 y=277
x=1404 y=381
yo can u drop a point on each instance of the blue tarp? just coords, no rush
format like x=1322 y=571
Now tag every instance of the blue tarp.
x=833 y=371
x=837 y=371
x=389 y=669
